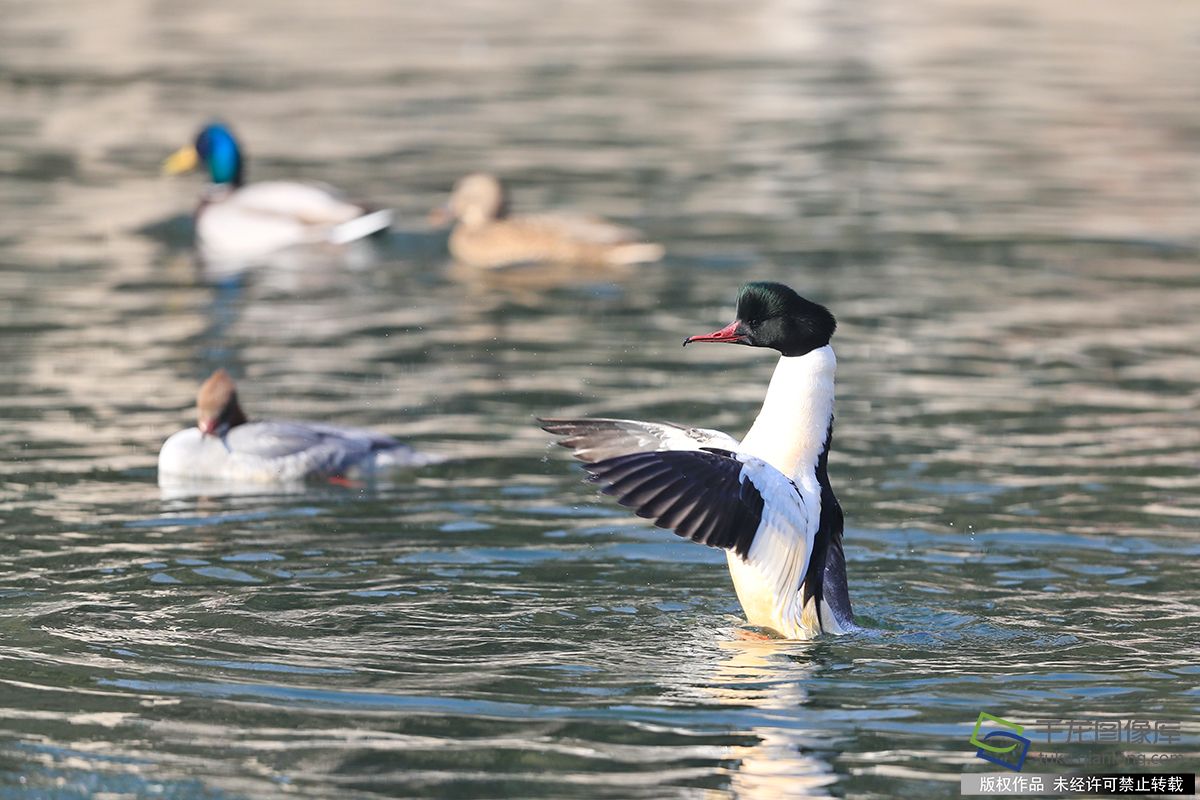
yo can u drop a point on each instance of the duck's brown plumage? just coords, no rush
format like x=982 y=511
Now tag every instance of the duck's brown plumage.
x=487 y=236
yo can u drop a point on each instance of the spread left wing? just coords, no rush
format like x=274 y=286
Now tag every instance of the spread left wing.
x=721 y=499
x=597 y=439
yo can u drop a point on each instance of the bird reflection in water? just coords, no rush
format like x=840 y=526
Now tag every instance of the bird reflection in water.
x=769 y=676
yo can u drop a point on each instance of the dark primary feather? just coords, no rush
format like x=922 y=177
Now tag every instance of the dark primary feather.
x=698 y=494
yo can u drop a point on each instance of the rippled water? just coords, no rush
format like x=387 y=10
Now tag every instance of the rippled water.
x=1000 y=200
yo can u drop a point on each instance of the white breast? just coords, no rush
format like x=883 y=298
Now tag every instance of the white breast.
x=791 y=428
x=768 y=580
x=789 y=434
x=189 y=455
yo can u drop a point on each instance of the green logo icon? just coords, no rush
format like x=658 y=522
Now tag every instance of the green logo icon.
x=1003 y=723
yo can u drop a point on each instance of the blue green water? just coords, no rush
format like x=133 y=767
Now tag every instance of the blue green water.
x=999 y=201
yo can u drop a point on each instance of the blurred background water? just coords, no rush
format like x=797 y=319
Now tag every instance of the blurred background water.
x=999 y=198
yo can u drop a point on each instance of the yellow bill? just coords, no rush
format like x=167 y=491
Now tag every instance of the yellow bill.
x=182 y=160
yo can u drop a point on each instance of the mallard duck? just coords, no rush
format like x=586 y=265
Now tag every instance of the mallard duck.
x=227 y=447
x=487 y=236
x=240 y=221
x=766 y=500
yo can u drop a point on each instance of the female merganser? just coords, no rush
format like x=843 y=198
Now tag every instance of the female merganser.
x=236 y=221
x=765 y=500
x=225 y=446
x=486 y=236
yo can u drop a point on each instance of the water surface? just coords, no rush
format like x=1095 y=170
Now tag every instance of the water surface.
x=998 y=200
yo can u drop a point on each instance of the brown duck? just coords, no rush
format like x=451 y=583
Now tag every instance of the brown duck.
x=485 y=235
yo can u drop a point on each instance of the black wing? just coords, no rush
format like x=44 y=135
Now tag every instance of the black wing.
x=699 y=494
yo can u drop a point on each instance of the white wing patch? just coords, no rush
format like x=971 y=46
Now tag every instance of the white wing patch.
x=599 y=438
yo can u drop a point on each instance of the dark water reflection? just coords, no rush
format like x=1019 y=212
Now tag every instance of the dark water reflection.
x=998 y=199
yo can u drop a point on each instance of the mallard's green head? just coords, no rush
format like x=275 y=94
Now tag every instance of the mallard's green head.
x=216 y=148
